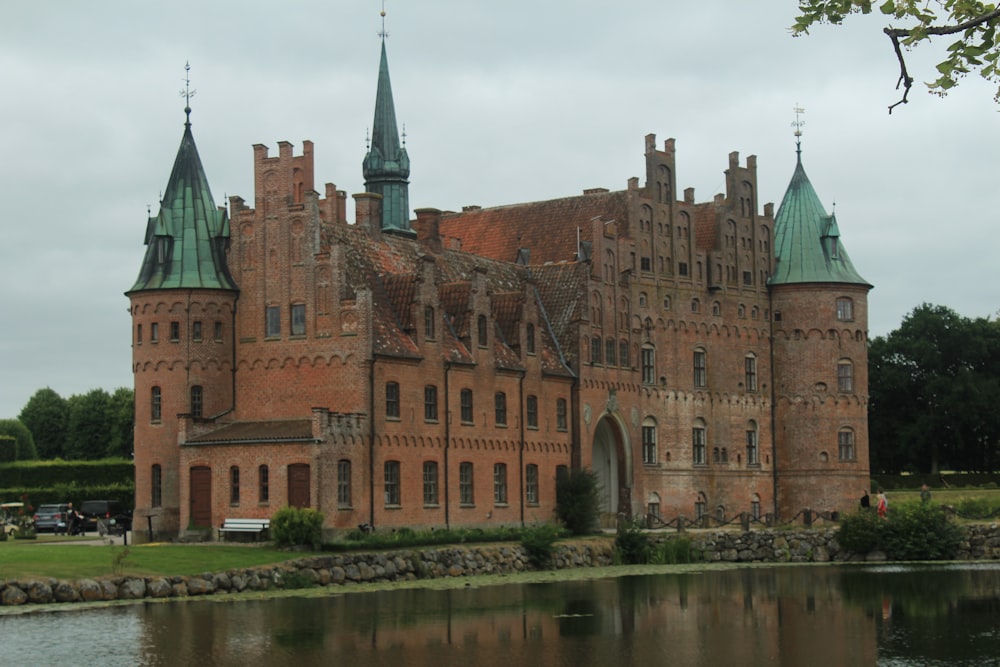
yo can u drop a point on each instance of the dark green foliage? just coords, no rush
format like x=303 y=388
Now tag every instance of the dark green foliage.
x=920 y=532
x=632 y=546
x=8 y=449
x=90 y=425
x=69 y=481
x=122 y=418
x=25 y=450
x=539 y=541
x=46 y=415
x=295 y=526
x=673 y=551
x=859 y=532
x=406 y=537
x=578 y=501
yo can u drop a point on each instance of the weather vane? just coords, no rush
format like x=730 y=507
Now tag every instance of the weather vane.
x=797 y=124
x=187 y=93
x=382 y=33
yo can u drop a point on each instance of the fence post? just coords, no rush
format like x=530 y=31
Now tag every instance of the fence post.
x=745 y=522
x=808 y=518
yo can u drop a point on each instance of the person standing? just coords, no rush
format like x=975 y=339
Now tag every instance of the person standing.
x=925 y=494
x=883 y=504
x=866 y=503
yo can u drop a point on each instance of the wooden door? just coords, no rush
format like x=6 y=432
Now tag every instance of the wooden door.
x=201 y=496
x=298 y=485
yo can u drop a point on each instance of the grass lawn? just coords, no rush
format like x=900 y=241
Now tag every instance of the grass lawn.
x=46 y=557
x=950 y=496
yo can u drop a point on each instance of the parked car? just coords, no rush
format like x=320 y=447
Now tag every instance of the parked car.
x=51 y=518
x=105 y=516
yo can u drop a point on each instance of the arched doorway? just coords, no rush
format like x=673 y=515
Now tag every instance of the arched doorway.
x=606 y=466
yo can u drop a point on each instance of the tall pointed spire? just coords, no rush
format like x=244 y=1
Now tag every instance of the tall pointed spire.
x=807 y=247
x=386 y=166
x=186 y=241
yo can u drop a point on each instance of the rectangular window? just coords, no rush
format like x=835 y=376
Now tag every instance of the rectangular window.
x=218 y=331
x=610 y=347
x=500 y=408
x=155 y=406
x=649 y=444
x=343 y=483
x=429 y=323
x=595 y=350
x=532 y=412
x=430 y=483
x=234 y=485
x=175 y=331
x=465 y=401
x=156 y=484
x=154 y=332
x=196 y=331
x=845 y=445
x=430 y=403
x=392 y=400
x=645 y=264
x=263 y=484
x=196 y=401
x=682 y=269
x=465 y=484
x=531 y=484
x=755 y=509
x=138 y=334
x=561 y=414
x=623 y=359
x=481 y=330
x=845 y=309
x=753 y=456
x=272 y=321
x=845 y=376
x=700 y=369
x=748 y=277
x=750 y=373
x=500 y=483
x=698 y=446
x=391 y=472
x=298 y=319
x=648 y=366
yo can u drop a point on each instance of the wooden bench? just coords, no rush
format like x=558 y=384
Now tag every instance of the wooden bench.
x=256 y=527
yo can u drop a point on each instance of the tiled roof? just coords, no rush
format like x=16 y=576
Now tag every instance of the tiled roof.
x=291 y=430
x=551 y=229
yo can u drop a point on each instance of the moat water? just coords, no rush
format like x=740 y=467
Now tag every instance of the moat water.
x=836 y=615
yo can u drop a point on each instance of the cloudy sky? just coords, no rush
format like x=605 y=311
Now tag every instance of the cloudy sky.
x=503 y=102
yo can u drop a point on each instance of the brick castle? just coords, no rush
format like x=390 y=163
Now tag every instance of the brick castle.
x=702 y=358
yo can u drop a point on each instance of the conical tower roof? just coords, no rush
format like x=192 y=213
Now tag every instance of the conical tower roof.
x=186 y=242
x=807 y=245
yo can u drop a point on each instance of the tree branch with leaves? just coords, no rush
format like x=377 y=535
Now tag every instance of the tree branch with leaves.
x=975 y=22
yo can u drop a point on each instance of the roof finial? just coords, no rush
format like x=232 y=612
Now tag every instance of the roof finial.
x=797 y=124
x=382 y=33
x=404 y=135
x=187 y=94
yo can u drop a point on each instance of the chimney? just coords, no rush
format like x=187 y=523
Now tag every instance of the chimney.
x=368 y=212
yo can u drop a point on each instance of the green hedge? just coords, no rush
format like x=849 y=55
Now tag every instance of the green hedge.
x=952 y=479
x=8 y=449
x=74 y=493
x=41 y=474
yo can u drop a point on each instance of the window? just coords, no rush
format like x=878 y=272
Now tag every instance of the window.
x=175 y=331
x=263 y=484
x=196 y=330
x=298 y=319
x=623 y=359
x=430 y=483
x=154 y=332
x=465 y=484
x=481 y=328
x=649 y=442
x=196 y=401
x=156 y=485
x=845 y=375
x=429 y=322
x=500 y=483
x=682 y=268
x=138 y=334
x=234 y=485
x=845 y=309
x=561 y=414
x=698 y=445
x=666 y=303
x=755 y=507
x=465 y=400
x=391 y=484
x=700 y=368
x=155 y=406
x=653 y=507
x=748 y=277
x=716 y=308
x=645 y=264
x=699 y=507
x=845 y=445
x=531 y=484
x=500 y=408
x=595 y=350
x=610 y=346
x=343 y=483
x=741 y=311
x=695 y=306
x=648 y=365
x=750 y=372
x=392 y=400
x=430 y=403
x=272 y=321
x=532 y=411
x=529 y=334
x=218 y=331
x=753 y=453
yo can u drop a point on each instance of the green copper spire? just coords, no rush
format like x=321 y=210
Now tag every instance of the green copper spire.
x=186 y=242
x=807 y=245
x=387 y=166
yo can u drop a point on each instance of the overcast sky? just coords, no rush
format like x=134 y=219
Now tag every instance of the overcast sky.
x=502 y=102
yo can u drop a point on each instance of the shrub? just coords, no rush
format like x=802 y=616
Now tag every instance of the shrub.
x=859 y=532
x=920 y=532
x=294 y=526
x=673 y=551
x=539 y=542
x=578 y=501
x=632 y=545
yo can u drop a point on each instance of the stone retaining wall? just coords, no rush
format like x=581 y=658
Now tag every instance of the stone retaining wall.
x=778 y=546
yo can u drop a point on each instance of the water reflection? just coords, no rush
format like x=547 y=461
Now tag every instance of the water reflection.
x=815 y=615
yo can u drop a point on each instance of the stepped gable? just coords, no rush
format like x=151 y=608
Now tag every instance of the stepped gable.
x=550 y=229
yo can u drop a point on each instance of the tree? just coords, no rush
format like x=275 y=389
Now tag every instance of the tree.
x=122 y=418
x=46 y=415
x=25 y=449
x=90 y=425
x=934 y=384
x=974 y=22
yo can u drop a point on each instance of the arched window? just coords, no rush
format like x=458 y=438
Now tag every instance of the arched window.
x=753 y=453
x=648 y=364
x=653 y=506
x=700 y=368
x=699 y=454
x=649 y=441
x=755 y=507
x=845 y=445
x=699 y=506
x=155 y=404
x=750 y=372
